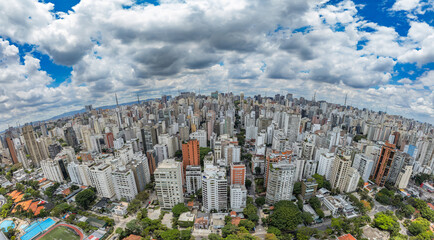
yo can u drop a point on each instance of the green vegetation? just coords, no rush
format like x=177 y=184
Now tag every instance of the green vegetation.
x=260 y=201
x=251 y=212
x=354 y=226
x=248 y=183
x=322 y=182
x=50 y=190
x=61 y=233
x=203 y=151
x=285 y=217
x=138 y=202
x=386 y=221
x=423 y=177
x=315 y=203
x=297 y=188
x=418 y=226
x=178 y=209
x=425 y=211
x=85 y=198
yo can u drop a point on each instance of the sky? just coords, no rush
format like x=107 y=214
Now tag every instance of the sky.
x=59 y=55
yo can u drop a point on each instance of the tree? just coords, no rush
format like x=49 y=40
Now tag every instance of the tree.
x=386 y=221
x=297 y=188
x=85 y=198
x=178 y=209
x=172 y=234
x=229 y=229
x=307 y=218
x=248 y=183
x=185 y=234
x=251 y=212
x=419 y=226
x=315 y=202
x=274 y=231
x=214 y=236
x=270 y=236
x=178 y=154
x=260 y=201
x=322 y=182
x=286 y=216
x=74 y=187
x=257 y=170
x=249 y=225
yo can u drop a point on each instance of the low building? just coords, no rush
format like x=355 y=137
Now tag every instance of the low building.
x=186 y=220
x=201 y=221
x=338 y=205
x=218 y=220
x=308 y=188
x=120 y=209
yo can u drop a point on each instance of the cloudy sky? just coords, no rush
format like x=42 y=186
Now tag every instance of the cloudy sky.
x=57 y=56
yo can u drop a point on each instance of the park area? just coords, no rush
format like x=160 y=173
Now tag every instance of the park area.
x=60 y=233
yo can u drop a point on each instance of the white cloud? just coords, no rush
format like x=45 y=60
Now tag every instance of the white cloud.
x=247 y=45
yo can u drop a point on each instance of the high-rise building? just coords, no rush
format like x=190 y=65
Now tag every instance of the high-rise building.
x=352 y=180
x=74 y=173
x=12 y=151
x=71 y=137
x=364 y=165
x=84 y=171
x=275 y=157
x=238 y=174
x=384 y=164
x=281 y=179
x=124 y=183
x=325 y=165
x=190 y=153
x=339 y=173
x=238 y=197
x=292 y=126
x=140 y=168
x=51 y=170
x=193 y=179
x=32 y=146
x=201 y=136
x=168 y=183
x=214 y=188
x=101 y=178
x=404 y=177
x=232 y=154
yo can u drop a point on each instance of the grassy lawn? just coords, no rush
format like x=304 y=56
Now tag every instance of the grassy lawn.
x=61 y=233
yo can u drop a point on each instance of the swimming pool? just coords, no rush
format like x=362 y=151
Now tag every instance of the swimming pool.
x=6 y=224
x=36 y=228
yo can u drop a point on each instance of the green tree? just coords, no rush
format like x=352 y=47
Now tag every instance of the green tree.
x=286 y=216
x=260 y=201
x=229 y=229
x=172 y=234
x=214 y=236
x=386 y=221
x=248 y=183
x=297 y=188
x=315 y=202
x=307 y=218
x=257 y=170
x=85 y=198
x=251 y=212
x=178 y=209
x=249 y=225
x=419 y=226
x=274 y=231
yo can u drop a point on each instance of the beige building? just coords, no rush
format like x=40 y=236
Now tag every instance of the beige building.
x=168 y=183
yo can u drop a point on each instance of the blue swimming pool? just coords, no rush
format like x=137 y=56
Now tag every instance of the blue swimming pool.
x=36 y=228
x=4 y=226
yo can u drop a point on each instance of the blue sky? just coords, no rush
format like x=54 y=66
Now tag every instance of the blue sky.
x=60 y=57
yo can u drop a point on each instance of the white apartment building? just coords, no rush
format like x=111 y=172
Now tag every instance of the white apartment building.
x=364 y=165
x=352 y=180
x=193 y=179
x=404 y=177
x=325 y=164
x=281 y=179
x=201 y=136
x=51 y=170
x=124 y=183
x=101 y=178
x=214 y=188
x=168 y=183
x=74 y=173
x=238 y=197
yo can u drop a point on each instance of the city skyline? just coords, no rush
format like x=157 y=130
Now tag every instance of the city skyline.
x=59 y=56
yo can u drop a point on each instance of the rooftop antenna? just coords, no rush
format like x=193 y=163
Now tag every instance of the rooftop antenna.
x=314 y=95
x=138 y=99
x=346 y=95
x=117 y=103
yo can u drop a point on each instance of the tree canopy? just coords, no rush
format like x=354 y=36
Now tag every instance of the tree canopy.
x=85 y=198
x=286 y=216
x=178 y=209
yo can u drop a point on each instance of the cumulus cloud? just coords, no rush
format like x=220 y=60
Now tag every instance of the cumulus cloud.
x=261 y=46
